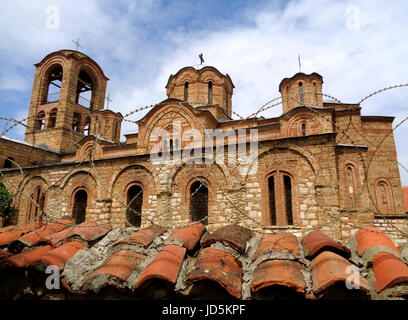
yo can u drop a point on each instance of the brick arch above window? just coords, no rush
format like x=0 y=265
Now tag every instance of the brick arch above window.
x=384 y=197
x=301 y=124
x=352 y=184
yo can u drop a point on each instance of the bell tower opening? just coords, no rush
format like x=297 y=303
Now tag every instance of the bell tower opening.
x=84 y=90
x=54 y=83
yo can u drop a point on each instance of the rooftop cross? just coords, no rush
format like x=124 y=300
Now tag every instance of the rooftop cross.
x=300 y=65
x=77 y=44
x=201 y=58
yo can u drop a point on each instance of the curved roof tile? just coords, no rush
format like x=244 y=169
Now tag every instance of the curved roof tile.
x=190 y=235
x=219 y=266
x=143 y=237
x=60 y=255
x=329 y=268
x=166 y=265
x=370 y=237
x=279 y=272
x=315 y=242
x=277 y=242
x=389 y=271
x=27 y=258
x=233 y=234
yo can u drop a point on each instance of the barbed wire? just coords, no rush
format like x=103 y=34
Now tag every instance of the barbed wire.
x=226 y=191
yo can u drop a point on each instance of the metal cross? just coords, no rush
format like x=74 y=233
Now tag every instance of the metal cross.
x=108 y=99
x=300 y=65
x=77 y=44
x=201 y=58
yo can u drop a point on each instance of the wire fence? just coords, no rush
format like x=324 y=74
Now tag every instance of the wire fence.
x=361 y=201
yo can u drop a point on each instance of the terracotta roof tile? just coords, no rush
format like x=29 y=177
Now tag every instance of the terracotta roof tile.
x=117 y=268
x=218 y=266
x=88 y=231
x=233 y=234
x=61 y=254
x=405 y=195
x=10 y=234
x=143 y=237
x=389 y=271
x=28 y=257
x=190 y=235
x=329 y=268
x=277 y=242
x=38 y=235
x=4 y=254
x=370 y=237
x=279 y=272
x=315 y=242
x=166 y=265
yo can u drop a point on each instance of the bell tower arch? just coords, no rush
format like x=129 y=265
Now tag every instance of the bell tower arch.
x=68 y=87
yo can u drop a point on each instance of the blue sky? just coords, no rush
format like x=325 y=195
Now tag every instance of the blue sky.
x=357 y=46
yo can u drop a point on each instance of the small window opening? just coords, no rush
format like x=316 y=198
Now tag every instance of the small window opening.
x=303 y=129
x=199 y=202
x=210 y=85
x=134 y=205
x=53 y=119
x=40 y=121
x=80 y=203
x=76 y=122
x=8 y=163
x=288 y=199
x=301 y=98
x=186 y=91
x=272 y=204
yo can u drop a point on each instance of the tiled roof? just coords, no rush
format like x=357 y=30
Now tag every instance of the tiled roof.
x=192 y=263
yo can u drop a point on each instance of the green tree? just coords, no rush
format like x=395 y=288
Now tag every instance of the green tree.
x=6 y=198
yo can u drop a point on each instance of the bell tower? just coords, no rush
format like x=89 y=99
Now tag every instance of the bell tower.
x=205 y=88
x=301 y=89
x=68 y=87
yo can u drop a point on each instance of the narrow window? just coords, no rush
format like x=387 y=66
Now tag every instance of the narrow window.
x=288 y=199
x=53 y=119
x=76 y=122
x=134 y=205
x=176 y=144
x=40 y=120
x=301 y=93
x=80 y=203
x=87 y=126
x=210 y=84
x=186 y=91
x=53 y=85
x=30 y=209
x=171 y=145
x=199 y=202
x=384 y=198
x=8 y=163
x=303 y=129
x=85 y=90
x=272 y=204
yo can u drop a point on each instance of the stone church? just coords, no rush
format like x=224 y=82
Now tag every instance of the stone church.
x=320 y=165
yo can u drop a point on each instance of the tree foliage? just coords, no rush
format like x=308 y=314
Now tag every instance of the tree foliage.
x=6 y=198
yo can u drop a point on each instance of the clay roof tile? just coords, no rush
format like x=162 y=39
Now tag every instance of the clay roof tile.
x=279 y=272
x=389 y=271
x=143 y=237
x=370 y=237
x=219 y=266
x=166 y=265
x=315 y=242
x=277 y=242
x=190 y=235
x=61 y=254
x=329 y=268
x=233 y=234
x=27 y=258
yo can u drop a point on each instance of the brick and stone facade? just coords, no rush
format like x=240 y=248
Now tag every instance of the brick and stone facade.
x=320 y=165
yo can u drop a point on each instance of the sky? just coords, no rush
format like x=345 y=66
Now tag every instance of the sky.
x=357 y=46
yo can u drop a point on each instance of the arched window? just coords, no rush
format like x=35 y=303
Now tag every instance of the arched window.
x=53 y=85
x=186 y=91
x=303 y=129
x=134 y=205
x=8 y=163
x=76 y=122
x=301 y=98
x=85 y=90
x=80 y=203
x=52 y=121
x=199 y=202
x=280 y=191
x=210 y=85
x=40 y=120
x=385 y=203
x=37 y=204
